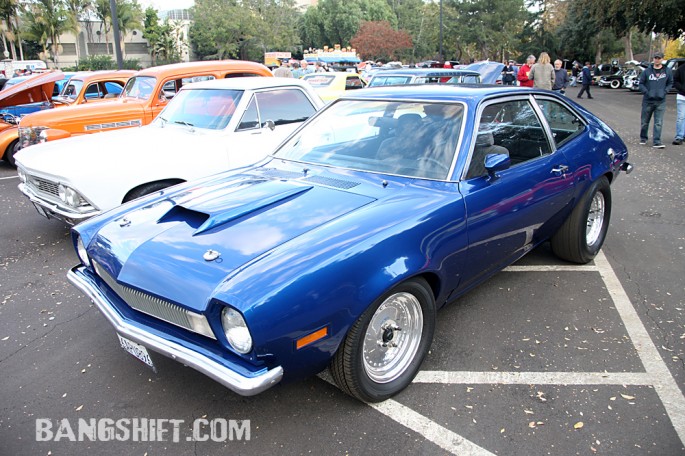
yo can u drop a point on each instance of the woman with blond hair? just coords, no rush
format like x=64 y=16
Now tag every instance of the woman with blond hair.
x=542 y=73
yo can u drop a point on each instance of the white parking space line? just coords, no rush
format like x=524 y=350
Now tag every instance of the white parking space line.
x=656 y=372
x=550 y=268
x=535 y=378
x=664 y=384
x=10 y=177
x=430 y=430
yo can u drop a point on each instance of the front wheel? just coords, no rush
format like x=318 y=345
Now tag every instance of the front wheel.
x=615 y=84
x=10 y=152
x=582 y=234
x=385 y=347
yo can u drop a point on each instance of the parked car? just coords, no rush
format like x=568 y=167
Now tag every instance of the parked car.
x=28 y=95
x=339 y=248
x=93 y=86
x=615 y=81
x=208 y=127
x=424 y=76
x=144 y=96
x=76 y=88
x=331 y=86
x=631 y=77
x=490 y=72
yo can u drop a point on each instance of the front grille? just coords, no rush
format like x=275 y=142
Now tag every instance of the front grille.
x=143 y=302
x=44 y=186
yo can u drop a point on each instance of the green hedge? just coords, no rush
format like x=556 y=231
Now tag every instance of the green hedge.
x=103 y=62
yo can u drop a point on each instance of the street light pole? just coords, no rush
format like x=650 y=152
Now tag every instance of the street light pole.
x=117 y=38
x=441 y=56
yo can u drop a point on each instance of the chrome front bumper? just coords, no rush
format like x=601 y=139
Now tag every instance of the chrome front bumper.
x=51 y=210
x=246 y=386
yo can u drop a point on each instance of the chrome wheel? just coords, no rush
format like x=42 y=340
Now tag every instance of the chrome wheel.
x=595 y=219
x=392 y=338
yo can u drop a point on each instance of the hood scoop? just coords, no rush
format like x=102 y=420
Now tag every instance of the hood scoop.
x=210 y=214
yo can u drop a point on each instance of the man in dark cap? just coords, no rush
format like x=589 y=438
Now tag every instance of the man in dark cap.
x=655 y=82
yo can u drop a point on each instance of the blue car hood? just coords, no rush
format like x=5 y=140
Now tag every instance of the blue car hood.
x=159 y=248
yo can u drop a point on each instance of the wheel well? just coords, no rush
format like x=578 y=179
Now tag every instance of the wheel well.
x=434 y=282
x=168 y=182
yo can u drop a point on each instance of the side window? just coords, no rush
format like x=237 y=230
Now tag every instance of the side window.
x=284 y=106
x=93 y=91
x=250 y=119
x=510 y=128
x=241 y=75
x=113 y=89
x=564 y=124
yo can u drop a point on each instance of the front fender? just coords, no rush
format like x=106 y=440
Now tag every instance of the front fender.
x=53 y=134
x=7 y=137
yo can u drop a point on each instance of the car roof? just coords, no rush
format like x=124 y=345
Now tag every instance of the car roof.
x=439 y=92
x=427 y=72
x=205 y=65
x=247 y=83
x=90 y=75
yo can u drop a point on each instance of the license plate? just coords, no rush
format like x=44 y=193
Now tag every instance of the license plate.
x=137 y=350
x=41 y=211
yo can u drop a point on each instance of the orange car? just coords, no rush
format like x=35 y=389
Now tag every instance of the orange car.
x=144 y=96
x=93 y=86
x=30 y=95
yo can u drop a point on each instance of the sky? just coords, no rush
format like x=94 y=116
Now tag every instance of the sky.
x=164 y=5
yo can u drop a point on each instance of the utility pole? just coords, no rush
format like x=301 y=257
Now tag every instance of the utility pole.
x=117 y=37
x=441 y=55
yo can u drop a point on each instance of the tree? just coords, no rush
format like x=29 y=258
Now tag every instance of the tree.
x=45 y=21
x=219 y=28
x=77 y=10
x=9 y=12
x=378 y=40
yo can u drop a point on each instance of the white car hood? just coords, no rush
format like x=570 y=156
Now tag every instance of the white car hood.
x=112 y=152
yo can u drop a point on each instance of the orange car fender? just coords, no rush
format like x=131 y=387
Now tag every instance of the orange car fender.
x=52 y=134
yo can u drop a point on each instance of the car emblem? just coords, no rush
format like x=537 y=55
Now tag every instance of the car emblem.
x=211 y=255
x=124 y=222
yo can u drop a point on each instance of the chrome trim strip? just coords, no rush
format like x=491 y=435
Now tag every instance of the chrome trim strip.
x=69 y=217
x=246 y=386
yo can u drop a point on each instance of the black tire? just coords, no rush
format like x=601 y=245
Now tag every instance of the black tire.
x=571 y=242
x=615 y=84
x=10 y=151
x=349 y=368
x=146 y=189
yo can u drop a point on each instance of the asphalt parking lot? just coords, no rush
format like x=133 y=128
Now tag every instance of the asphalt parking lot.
x=545 y=358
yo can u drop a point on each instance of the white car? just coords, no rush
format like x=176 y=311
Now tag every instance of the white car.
x=208 y=127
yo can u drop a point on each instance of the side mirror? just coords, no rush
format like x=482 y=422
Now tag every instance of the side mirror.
x=495 y=163
x=269 y=124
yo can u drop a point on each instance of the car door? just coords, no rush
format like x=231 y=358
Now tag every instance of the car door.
x=507 y=215
x=271 y=115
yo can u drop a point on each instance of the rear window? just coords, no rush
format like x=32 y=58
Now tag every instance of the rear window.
x=389 y=80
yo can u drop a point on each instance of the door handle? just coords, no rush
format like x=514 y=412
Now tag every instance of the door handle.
x=560 y=170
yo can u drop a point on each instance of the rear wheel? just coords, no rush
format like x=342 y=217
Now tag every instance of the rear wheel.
x=385 y=347
x=582 y=234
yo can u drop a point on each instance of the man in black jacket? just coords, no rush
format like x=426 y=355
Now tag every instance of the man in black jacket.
x=655 y=82
x=679 y=83
x=587 y=81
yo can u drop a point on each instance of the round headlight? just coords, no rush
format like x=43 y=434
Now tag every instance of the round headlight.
x=62 y=192
x=236 y=330
x=72 y=198
x=82 y=253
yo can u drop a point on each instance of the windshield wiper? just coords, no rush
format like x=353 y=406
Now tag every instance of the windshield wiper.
x=183 y=122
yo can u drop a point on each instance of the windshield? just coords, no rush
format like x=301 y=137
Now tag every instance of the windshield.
x=71 y=89
x=389 y=80
x=406 y=138
x=201 y=108
x=140 y=87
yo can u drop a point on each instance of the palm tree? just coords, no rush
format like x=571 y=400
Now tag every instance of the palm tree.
x=76 y=10
x=10 y=31
x=130 y=15
x=44 y=22
x=104 y=13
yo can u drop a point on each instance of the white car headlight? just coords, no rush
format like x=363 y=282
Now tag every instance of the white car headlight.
x=236 y=330
x=82 y=253
x=69 y=195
